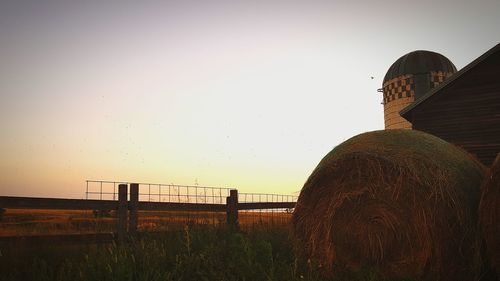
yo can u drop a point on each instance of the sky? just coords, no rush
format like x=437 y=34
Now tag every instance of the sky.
x=242 y=94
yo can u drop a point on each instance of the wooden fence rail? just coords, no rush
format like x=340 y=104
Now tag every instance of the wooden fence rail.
x=56 y=203
x=127 y=210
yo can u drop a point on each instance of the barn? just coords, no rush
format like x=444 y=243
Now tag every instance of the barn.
x=463 y=108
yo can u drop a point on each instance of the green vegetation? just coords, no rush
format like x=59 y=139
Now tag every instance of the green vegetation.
x=195 y=253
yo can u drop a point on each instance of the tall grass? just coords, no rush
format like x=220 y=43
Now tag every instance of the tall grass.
x=208 y=253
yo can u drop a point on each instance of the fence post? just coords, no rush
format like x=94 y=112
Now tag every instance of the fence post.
x=122 y=212
x=232 y=208
x=134 y=207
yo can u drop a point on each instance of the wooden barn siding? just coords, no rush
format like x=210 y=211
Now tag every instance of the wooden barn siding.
x=467 y=113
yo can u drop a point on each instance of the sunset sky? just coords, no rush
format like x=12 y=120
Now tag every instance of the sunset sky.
x=244 y=94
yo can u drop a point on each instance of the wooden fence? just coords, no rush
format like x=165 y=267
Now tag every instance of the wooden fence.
x=127 y=209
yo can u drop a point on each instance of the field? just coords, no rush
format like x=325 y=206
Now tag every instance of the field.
x=19 y=222
x=259 y=251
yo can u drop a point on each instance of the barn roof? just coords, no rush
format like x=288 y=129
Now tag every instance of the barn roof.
x=449 y=81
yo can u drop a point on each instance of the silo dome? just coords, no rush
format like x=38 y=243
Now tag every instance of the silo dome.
x=409 y=78
x=419 y=62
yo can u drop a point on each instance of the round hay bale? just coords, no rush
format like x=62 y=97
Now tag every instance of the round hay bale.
x=489 y=214
x=400 y=201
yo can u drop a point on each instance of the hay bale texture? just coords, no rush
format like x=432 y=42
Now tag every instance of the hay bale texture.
x=400 y=201
x=489 y=214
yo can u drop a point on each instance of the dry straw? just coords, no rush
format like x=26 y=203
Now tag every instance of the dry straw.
x=400 y=201
x=489 y=214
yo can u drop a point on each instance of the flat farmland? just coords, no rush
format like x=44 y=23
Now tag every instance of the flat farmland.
x=21 y=222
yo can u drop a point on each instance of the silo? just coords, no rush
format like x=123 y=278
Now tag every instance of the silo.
x=408 y=79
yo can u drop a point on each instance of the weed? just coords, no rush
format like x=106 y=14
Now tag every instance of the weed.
x=194 y=253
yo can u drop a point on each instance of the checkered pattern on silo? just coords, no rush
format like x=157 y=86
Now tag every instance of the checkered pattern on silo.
x=399 y=92
x=438 y=77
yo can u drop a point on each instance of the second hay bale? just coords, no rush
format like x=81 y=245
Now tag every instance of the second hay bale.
x=489 y=214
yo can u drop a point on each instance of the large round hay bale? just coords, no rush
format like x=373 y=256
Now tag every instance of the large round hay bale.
x=400 y=201
x=489 y=214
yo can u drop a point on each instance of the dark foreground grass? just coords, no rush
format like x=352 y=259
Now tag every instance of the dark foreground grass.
x=196 y=253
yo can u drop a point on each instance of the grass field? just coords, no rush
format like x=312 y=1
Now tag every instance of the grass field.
x=41 y=222
x=183 y=246
x=19 y=222
x=192 y=253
